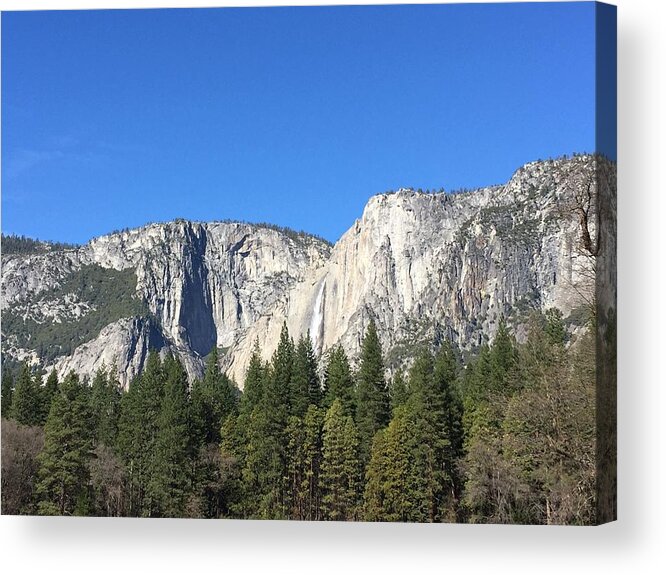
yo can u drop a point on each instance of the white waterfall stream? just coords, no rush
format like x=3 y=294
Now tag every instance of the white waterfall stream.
x=317 y=321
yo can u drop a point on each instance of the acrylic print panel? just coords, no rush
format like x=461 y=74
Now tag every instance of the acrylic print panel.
x=436 y=345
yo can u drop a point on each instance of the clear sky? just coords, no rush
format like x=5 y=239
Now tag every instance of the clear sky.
x=295 y=116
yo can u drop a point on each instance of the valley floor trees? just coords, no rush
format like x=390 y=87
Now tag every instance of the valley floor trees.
x=508 y=437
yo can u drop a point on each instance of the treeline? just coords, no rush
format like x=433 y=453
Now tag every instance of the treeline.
x=23 y=245
x=509 y=437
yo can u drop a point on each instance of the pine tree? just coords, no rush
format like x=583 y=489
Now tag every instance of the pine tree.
x=251 y=399
x=49 y=391
x=399 y=479
x=555 y=329
x=26 y=399
x=425 y=410
x=339 y=381
x=7 y=392
x=304 y=385
x=444 y=379
x=166 y=490
x=398 y=391
x=253 y=388
x=312 y=459
x=129 y=443
x=63 y=473
x=105 y=405
x=278 y=390
x=341 y=466
x=503 y=360
x=304 y=462
x=373 y=404
x=213 y=399
x=265 y=469
x=138 y=429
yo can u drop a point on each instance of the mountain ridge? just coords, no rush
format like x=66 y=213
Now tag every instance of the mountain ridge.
x=419 y=264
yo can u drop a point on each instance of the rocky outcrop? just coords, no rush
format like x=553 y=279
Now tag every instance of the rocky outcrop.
x=423 y=266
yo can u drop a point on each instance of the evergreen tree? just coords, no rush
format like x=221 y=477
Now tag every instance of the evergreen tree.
x=166 y=491
x=555 y=329
x=373 y=405
x=232 y=454
x=129 y=443
x=26 y=399
x=279 y=388
x=213 y=399
x=7 y=392
x=444 y=379
x=304 y=386
x=339 y=381
x=49 y=391
x=265 y=469
x=398 y=391
x=235 y=441
x=253 y=389
x=341 y=466
x=503 y=360
x=138 y=429
x=425 y=412
x=304 y=462
x=398 y=486
x=105 y=406
x=63 y=473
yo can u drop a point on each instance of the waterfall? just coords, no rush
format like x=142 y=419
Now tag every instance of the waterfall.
x=317 y=321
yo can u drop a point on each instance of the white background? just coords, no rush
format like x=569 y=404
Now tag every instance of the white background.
x=633 y=544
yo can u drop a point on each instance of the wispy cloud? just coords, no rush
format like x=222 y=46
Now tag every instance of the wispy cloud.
x=59 y=148
x=23 y=161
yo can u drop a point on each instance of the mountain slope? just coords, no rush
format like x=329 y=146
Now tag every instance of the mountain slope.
x=421 y=265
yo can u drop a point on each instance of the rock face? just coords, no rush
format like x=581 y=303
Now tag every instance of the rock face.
x=421 y=265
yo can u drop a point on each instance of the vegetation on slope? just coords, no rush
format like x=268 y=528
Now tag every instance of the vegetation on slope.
x=13 y=244
x=109 y=294
x=508 y=437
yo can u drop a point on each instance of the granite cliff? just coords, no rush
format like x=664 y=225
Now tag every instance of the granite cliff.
x=423 y=266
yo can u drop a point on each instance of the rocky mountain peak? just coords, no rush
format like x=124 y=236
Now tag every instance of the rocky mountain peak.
x=422 y=265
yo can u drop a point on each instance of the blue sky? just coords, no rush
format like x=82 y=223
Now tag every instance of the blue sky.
x=296 y=116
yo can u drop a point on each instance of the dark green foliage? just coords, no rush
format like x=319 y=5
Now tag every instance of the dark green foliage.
x=372 y=398
x=105 y=407
x=213 y=399
x=7 y=392
x=215 y=488
x=49 y=391
x=26 y=405
x=508 y=438
x=555 y=329
x=21 y=245
x=265 y=469
x=253 y=390
x=530 y=448
x=398 y=479
x=444 y=382
x=294 y=235
x=304 y=463
x=166 y=489
x=111 y=295
x=339 y=382
x=398 y=391
x=138 y=429
x=503 y=360
x=341 y=467
x=63 y=473
x=305 y=388
x=277 y=391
